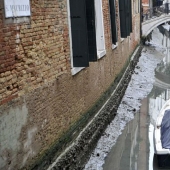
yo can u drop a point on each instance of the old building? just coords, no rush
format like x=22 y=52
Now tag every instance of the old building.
x=57 y=58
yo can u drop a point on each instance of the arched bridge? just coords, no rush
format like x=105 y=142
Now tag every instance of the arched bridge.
x=154 y=17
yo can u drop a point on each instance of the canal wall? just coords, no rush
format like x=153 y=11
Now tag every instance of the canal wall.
x=45 y=101
x=77 y=154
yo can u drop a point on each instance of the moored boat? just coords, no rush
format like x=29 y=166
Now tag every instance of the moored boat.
x=162 y=136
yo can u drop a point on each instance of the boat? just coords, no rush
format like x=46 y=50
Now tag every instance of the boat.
x=162 y=136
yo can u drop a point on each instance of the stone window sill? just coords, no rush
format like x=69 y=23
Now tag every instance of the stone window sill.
x=121 y=39
x=101 y=53
x=75 y=70
x=114 y=46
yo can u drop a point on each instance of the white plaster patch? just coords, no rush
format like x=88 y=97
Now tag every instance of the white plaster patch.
x=10 y=128
x=27 y=145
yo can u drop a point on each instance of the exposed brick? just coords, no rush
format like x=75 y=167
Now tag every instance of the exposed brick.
x=35 y=70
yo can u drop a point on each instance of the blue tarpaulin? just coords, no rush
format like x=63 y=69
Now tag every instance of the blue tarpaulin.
x=165 y=130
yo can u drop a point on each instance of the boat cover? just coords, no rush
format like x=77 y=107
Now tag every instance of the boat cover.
x=165 y=130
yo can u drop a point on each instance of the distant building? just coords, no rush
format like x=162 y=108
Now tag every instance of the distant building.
x=146 y=4
x=57 y=58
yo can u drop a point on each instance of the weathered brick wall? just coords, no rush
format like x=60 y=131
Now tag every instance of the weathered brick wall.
x=39 y=97
x=36 y=53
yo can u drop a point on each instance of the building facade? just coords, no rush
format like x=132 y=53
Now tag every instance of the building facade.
x=57 y=58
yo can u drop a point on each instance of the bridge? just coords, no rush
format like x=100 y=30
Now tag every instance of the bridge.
x=154 y=17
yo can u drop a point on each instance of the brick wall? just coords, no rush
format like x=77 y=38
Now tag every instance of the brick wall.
x=36 y=53
x=39 y=97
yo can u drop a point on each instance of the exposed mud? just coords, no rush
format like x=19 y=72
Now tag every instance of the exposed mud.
x=139 y=87
x=76 y=156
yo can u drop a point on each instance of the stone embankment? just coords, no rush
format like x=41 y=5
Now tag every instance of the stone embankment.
x=77 y=154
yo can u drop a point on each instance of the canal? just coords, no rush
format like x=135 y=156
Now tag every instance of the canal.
x=133 y=148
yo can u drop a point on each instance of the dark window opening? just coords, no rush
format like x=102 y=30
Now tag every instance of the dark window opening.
x=113 y=21
x=125 y=11
x=83 y=32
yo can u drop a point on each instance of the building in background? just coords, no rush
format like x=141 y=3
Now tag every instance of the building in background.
x=146 y=4
x=57 y=58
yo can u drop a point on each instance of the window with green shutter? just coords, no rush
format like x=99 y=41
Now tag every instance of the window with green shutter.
x=91 y=30
x=79 y=33
x=83 y=32
x=130 y=4
x=125 y=13
x=113 y=21
x=122 y=14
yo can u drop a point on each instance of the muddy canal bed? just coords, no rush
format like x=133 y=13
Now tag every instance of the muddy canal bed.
x=128 y=141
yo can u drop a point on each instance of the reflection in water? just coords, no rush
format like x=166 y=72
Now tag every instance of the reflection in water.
x=160 y=92
x=134 y=149
x=125 y=151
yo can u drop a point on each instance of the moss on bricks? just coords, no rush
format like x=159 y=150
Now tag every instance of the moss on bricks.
x=78 y=154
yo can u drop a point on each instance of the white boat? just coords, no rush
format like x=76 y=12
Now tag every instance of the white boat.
x=162 y=136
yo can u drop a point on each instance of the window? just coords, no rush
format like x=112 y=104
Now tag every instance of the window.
x=86 y=31
x=90 y=18
x=113 y=21
x=99 y=29
x=125 y=13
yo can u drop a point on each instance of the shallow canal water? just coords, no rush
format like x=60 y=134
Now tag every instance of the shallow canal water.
x=134 y=149
x=127 y=143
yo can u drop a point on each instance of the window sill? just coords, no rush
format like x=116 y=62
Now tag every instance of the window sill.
x=75 y=70
x=101 y=53
x=122 y=39
x=114 y=45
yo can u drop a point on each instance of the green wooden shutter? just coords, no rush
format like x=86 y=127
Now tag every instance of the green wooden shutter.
x=127 y=4
x=91 y=29
x=79 y=33
x=122 y=13
x=130 y=3
x=113 y=21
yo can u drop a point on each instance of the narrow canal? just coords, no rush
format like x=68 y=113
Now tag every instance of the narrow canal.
x=134 y=149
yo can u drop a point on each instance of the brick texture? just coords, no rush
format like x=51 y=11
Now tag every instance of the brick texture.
x=36 y=80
